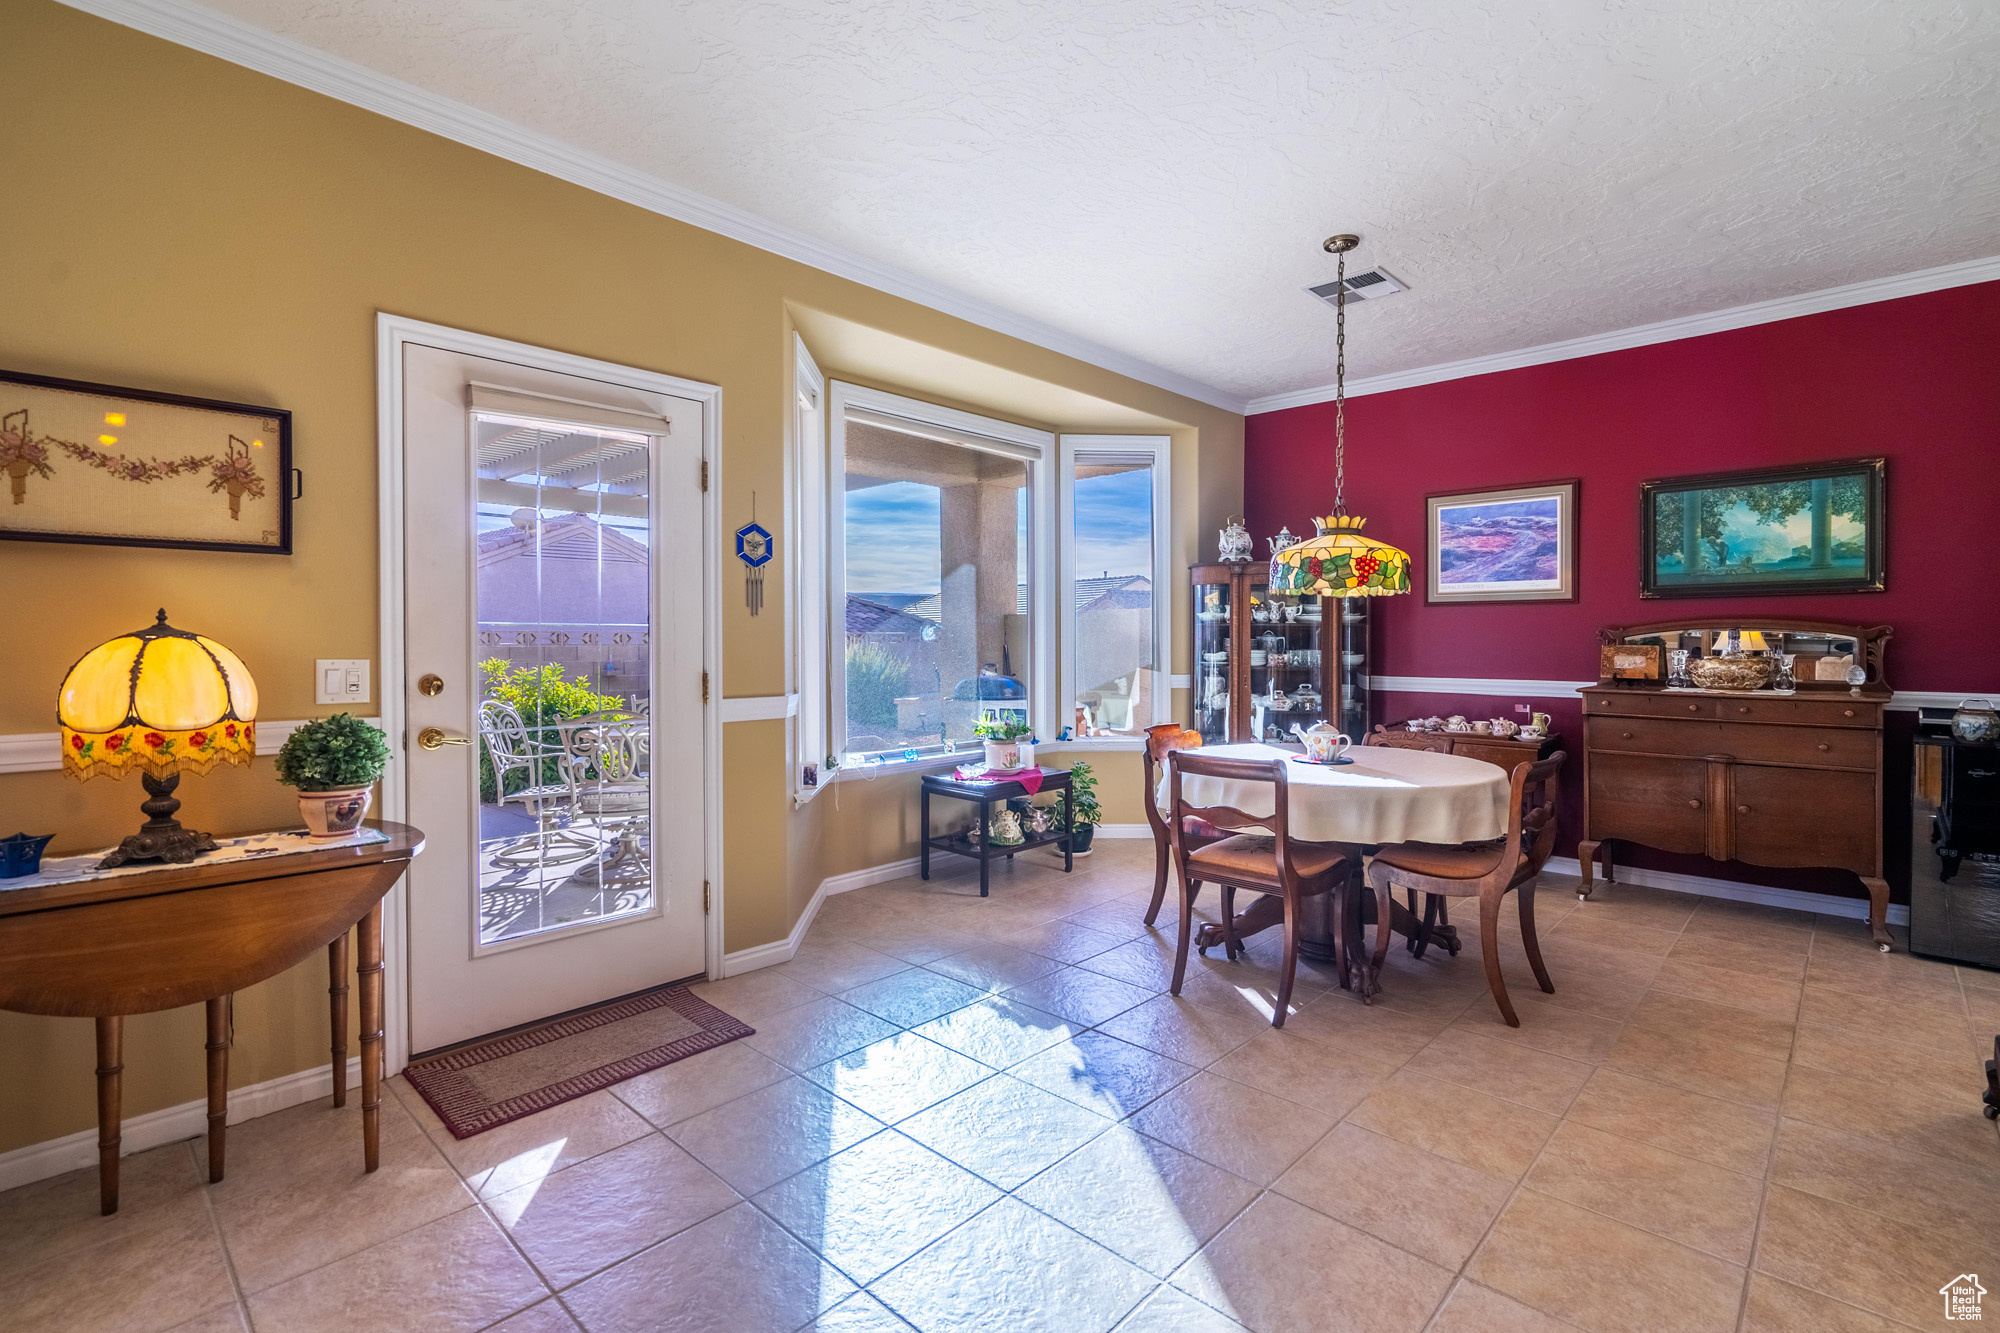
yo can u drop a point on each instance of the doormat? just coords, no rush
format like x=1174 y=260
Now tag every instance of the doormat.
x=489 y=1083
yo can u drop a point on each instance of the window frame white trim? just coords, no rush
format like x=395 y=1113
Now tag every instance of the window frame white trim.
x=807 y=650
x=1036 y=449
x=1158 y=450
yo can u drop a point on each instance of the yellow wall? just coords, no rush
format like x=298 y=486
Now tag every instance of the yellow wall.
x=177 y=223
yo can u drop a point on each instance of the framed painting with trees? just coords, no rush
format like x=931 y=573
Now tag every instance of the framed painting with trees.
x=1807 y=528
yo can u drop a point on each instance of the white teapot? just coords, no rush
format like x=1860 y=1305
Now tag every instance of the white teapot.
x=1323 y=741
x=1235 y=542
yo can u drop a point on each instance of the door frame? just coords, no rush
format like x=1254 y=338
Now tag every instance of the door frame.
x=392 y=334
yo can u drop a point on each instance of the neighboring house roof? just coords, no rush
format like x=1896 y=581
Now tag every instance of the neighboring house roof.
x=867 y=617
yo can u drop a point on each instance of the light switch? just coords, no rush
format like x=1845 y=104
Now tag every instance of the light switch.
x=341 y=680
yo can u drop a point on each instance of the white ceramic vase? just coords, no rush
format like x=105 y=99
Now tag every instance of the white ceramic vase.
x=334 y=814
x=1010 y=754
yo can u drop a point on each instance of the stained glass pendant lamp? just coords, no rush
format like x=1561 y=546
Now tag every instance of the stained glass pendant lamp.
x=159 y=701
x=1339 y=561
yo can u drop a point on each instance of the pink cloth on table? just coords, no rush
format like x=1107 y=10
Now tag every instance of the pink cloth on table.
x=1029 y=778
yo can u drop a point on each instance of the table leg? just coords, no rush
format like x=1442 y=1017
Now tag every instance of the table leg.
x=369 y=975
x=924 y=834
x=1069 y=827
x=110 y=1065
x=336 y=994
x=985 y=843
x=218 y=1084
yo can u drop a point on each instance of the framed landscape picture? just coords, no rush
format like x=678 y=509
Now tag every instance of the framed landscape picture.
x=1513 y=545
x=1815 y=527
x=131 y=467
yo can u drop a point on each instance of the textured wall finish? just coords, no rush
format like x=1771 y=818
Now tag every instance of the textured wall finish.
x=1157 y=179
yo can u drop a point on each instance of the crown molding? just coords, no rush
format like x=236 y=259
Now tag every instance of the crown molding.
x=1644 y=335
x=231 y=39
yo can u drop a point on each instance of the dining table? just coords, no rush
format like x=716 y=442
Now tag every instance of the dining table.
x=1376 y=796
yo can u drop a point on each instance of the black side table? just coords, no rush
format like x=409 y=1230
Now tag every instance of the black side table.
x=984 y=794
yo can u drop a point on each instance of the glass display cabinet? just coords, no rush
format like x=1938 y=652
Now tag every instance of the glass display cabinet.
x=1265 y=664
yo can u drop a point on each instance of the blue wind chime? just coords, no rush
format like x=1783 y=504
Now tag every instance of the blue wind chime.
x=754 y=547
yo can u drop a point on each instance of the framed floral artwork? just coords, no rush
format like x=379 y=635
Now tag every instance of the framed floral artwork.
x=1512 y=545
x=131 y=467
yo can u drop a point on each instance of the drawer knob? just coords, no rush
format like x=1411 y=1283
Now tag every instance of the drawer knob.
x=1847 y=712
x=1624 y=735
x=1694 y=708
x=1823 y=745
x=1693 y=804
x=1742 y=809
x=1743 y=708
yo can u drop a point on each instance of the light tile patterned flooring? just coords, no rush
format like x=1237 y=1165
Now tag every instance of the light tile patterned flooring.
x=971 y=1114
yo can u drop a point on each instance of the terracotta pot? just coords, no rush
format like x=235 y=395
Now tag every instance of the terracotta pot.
x=334 y=814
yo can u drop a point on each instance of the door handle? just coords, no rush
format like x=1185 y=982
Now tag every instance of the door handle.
x=433 y=738
x=1742 y=809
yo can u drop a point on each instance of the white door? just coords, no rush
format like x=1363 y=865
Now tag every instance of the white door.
x=553 y=632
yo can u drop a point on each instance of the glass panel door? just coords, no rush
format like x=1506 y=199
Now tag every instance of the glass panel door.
x=1211 y=660
x=564 y=576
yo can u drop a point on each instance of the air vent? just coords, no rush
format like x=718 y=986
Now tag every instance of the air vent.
x=1371 y=285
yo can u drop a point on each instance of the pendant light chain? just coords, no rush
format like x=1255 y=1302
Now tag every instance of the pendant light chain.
x=1340 y=390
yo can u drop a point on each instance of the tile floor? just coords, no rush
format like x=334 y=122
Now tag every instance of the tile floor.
x=960 y=1114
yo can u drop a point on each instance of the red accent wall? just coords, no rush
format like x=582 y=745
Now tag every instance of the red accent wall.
x=1916 y=380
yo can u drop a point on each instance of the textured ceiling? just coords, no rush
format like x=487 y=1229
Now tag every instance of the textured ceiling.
x=1157 y=177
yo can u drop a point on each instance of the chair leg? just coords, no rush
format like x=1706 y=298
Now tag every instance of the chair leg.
x=1159 y=880
x=1489 y=946
x=1232 y=948
x=1289 y=968
x=1420 y=938
x=1384 y=910
x=1415 y=944
x=1528 y=940
x=1188 y=891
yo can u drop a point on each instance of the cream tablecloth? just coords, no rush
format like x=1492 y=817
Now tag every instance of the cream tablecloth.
x=1385 y=795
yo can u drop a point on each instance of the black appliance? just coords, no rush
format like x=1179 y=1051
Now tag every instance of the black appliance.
x=1955 y=849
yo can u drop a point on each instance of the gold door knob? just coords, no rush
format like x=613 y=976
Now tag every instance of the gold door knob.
x=430 y=685
x=433 y=738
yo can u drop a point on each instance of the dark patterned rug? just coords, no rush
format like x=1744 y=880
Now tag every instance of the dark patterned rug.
x=490 y=1082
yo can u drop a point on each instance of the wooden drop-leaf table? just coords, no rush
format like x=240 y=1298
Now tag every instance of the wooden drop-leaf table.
x=198 y=933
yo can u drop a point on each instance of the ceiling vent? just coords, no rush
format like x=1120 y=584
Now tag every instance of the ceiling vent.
x=1371 y=285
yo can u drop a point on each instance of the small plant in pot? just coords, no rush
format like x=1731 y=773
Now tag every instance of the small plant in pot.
x=1086 y=815
x=1009 y=740
x=333 y=761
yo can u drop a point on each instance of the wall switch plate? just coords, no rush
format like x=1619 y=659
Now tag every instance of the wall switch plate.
x=340 y=680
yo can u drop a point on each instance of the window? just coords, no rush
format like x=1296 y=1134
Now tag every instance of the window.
x=935 y=560
x=1116 y=592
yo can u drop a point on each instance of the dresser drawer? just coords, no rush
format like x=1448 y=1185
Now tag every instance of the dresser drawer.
x=1654 y=735
x=1810 y=712
x=1699 y=707
x=1809 y=747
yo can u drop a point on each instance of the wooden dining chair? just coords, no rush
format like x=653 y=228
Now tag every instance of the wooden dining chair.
x=1161 y=741
x=1434 y=913
x=1267 y=862
x=1486 y=871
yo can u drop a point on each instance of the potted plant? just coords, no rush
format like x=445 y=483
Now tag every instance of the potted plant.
x=1084 y=814
x=333 y=761
x=1009 y=740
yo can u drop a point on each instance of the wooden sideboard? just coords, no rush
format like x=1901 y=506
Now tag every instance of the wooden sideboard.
x=1759 y=777
x=174 y=935
x=1502 y=751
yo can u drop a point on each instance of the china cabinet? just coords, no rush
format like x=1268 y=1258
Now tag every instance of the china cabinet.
x=1263 y=664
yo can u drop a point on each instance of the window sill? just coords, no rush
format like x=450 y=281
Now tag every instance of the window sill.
x=1108 y=743
x=933 y=763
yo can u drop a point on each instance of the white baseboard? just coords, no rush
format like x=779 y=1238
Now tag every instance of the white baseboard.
x=39 y=1161
x=1144 y=831
x=1798 y=900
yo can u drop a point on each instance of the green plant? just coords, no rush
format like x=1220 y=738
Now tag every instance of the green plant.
x=997 y=726
x=540 y=695
x=1083 y=792
x=876 y=678
x=332 y=754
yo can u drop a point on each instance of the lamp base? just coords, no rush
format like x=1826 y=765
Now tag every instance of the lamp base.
x=160 y=838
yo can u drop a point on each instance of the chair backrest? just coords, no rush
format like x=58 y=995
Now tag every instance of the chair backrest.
x=1161 y=741
x=606 y=751
x=506 y=740
x=1408 y=740
x=1186 y=763
x=1533 y=803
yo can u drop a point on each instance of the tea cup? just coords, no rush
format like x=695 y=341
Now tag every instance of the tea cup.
x=1482 y=728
